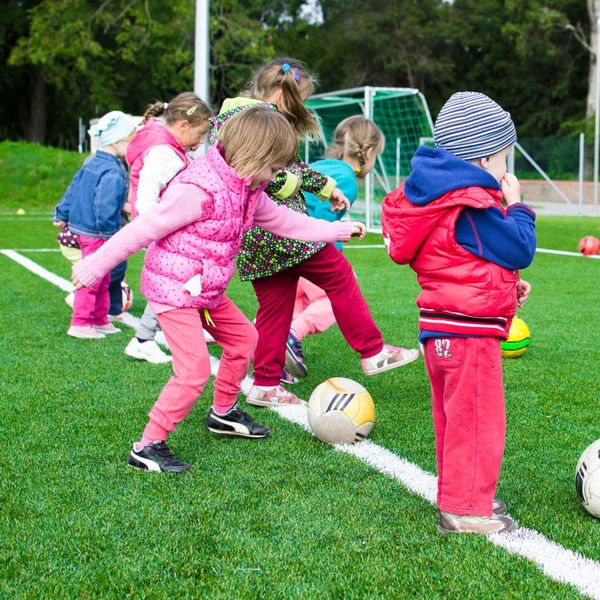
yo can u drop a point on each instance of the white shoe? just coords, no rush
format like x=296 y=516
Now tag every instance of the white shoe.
x=149 y=351
x=390 y=357
x=84 y=332
x=70 y=299
x=107 y=329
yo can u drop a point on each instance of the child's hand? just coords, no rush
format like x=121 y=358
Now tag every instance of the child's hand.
x=511 y=188
x=358 y=230
x=338 y=200
x=523 y=289
x=60 y=224
x=75 y=280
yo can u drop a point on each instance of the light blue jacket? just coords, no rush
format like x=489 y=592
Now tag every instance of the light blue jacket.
x=345 y=179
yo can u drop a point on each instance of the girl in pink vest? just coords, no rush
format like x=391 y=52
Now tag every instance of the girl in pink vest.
x=157 y=153
x=193 y=235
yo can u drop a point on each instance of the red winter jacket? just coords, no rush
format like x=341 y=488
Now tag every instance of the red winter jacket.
x=461 y=293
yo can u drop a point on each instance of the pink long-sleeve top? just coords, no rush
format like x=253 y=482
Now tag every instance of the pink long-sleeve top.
x=182 y=205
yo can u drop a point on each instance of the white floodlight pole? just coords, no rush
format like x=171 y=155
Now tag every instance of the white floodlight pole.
x=201 y=53
x=597 y=115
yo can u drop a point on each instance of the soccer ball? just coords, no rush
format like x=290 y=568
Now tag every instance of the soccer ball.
x=127 y=296
x=519 y=338
x=589 y=245
x=341 y=411
x=587 y=479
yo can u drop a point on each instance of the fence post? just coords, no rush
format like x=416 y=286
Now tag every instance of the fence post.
x=398 y=162
x=80 y=136
x=369 y=178
x=581 y=171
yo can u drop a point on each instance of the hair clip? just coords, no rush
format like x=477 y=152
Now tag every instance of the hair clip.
x=190 y=111
x=165 y=105
x=296 y=74
x=285 y=67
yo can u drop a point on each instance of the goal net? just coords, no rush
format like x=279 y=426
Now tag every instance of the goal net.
x=403 y=116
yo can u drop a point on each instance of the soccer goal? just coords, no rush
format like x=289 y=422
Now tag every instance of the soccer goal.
x=403 y=116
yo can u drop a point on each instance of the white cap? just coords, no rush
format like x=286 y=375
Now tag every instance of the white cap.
x=113 y=127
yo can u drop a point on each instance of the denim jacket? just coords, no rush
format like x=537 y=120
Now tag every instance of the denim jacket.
x=93 y=201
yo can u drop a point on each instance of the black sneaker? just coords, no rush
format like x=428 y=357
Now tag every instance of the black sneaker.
x=156 y=457
x=235 y=422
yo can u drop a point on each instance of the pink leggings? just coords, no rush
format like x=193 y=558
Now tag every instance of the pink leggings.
x=184 y=331
x=91 y=303
x=312 y=311
x=469 y=420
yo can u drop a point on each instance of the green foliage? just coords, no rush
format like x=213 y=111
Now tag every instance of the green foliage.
x=88 y=57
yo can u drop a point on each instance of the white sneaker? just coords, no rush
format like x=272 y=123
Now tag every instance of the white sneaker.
x=451 y=523
x=84 y=332
x=107 y=329
x=390 y=357
x=275 y=396
x=149 y=351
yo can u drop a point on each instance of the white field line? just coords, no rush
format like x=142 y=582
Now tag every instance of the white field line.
x=555 y=561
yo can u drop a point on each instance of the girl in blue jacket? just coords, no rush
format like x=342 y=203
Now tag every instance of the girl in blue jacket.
x=356 y=143
x=91 y=207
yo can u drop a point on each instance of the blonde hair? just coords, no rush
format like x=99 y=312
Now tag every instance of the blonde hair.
x=184 y=107
x=292 y=77
x=256 y=138
x=353 y=137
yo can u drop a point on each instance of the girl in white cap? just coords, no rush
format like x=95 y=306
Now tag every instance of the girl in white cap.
x=91 y=207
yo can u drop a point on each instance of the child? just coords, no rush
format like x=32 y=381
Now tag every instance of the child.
x=357 y=142
x=449 y=224
x=92 y=208
x=274 y=264
x=157 y=153
x=197 y=229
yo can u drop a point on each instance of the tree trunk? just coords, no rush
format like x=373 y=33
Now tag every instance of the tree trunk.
x=35 y=131
x=593 y=7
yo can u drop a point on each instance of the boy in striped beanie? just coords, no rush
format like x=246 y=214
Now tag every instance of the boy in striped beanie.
x=459 y=222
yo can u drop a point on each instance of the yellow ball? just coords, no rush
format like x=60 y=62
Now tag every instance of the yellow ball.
x=519 y=338
x=341 y=411
x=20 y=211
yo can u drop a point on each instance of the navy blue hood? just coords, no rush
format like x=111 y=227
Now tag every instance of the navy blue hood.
x=437 y=172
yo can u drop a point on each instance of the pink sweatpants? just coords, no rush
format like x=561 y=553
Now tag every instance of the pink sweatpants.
x=312 y=311
x=91 y=303
x=184 y=331
x=276 y=295
x=469 y=421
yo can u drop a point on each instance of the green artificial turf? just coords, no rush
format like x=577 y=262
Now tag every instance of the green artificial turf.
x=288 y=516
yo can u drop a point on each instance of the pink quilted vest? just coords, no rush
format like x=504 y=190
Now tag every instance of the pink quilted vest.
x=153 y=133
x=205 y=248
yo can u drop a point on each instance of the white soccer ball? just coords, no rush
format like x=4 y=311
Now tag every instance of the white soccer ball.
x=587 y=479
x=341 y=411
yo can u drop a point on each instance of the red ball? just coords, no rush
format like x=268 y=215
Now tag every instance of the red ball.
x=589 y=245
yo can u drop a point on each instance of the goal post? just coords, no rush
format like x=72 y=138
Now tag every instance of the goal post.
x=403 y=116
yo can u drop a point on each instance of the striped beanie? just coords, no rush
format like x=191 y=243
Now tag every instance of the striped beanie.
x=471 y=126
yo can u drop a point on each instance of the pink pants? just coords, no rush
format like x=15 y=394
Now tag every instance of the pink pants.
x=469 y=421
x=329 y=270
x=313 y=312
x=91 y=303
x=184 y=331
